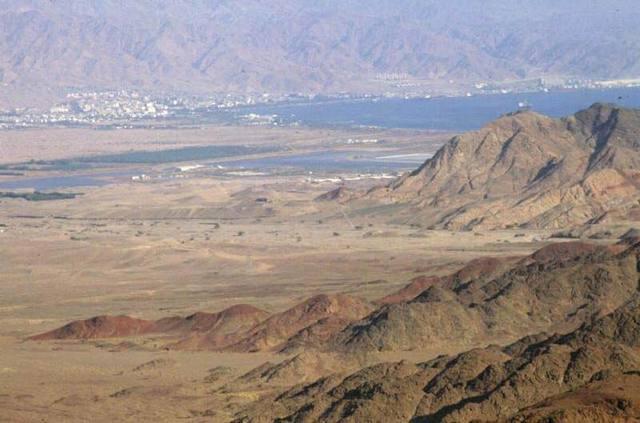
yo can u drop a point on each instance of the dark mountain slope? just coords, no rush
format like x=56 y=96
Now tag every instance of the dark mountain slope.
x=555 y=289
x=591 y=363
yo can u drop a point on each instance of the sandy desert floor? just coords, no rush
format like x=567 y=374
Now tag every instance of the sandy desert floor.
x=165 y=248
x=62 y=143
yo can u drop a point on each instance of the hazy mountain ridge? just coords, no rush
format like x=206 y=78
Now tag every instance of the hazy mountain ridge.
x=289 y=46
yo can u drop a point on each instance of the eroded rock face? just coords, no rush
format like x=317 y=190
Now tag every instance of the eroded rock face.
x=306 y=321
x=555 y=289
x=524 y=169
x=584 y=373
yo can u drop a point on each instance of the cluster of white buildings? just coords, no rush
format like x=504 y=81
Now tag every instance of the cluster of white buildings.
x=109 y=107
x=260 y=120
x=362 y=141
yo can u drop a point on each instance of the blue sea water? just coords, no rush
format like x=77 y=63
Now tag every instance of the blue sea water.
x=453 y=114
x=442 y=113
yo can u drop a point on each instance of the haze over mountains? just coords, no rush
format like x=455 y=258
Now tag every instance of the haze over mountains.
x=307 y=46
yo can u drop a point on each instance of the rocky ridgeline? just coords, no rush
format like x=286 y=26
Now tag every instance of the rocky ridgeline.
x=523 y=170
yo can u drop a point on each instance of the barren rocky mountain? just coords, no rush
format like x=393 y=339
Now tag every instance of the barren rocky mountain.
x=523 y=170
x=549 y=291
x=590 y=373
x=308 y=46
x=587 y=292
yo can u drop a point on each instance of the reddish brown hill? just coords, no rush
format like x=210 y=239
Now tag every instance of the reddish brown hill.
x=228 y=320
x=218 y=330
x=273 y=333
x=99 y=327
x=480 y=268
x=563 y=251
x=316 y=334
x=409 y=292
x=477 y=269
x=484 y=267
x=239 y=328
x=201 y=330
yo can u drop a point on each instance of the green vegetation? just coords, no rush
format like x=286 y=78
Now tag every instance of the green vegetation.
x=177 y=155
x=39 y=196
x=210 y=152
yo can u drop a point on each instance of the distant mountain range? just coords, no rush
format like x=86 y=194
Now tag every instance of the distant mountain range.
x=307 y=46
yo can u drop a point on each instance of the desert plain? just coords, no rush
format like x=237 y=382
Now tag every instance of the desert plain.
x=176 y=246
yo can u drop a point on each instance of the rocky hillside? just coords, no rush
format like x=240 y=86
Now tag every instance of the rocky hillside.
x=203 y=331
x=590 y=374
x=311 y=321
x=562 y=327
x=555 y=289
x=524 y=170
